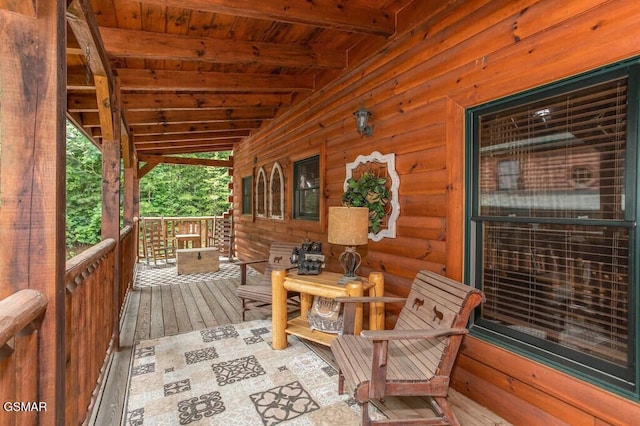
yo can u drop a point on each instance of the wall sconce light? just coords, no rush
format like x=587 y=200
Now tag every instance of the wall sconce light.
x=362 y=121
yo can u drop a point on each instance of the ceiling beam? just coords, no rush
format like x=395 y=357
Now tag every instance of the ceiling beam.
x=147 y=101
x=186 y=160
x=178 y=128
x=148 y=45
x=217 y=147
x=144 y=79
x=332 y=14
x=83 y=24
x=177 y=148
x=195 y=117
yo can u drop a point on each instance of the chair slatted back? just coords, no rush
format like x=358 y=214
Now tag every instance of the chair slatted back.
x=435 y=302
x=279 y=258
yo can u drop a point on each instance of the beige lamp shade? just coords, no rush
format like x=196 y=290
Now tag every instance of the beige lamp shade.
x=348 y=226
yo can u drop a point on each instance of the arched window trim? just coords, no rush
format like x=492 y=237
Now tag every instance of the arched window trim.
x=261 y=181
x=276 y=169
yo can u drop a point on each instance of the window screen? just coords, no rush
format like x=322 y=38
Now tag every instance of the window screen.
x=554 y=233
x=306 y=195
x=247 y=191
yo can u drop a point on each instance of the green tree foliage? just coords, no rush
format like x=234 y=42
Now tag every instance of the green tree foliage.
x=84 y=182
x=167 y=190
x=176 y=190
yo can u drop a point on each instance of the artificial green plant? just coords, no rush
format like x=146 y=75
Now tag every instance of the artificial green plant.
x=369 y=191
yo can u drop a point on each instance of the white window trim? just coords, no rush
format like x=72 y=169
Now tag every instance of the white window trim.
x=276 y=169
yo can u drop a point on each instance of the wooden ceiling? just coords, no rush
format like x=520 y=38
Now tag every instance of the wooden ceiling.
x=201 y=75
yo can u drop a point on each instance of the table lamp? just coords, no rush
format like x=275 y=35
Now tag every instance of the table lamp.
x=349 y=226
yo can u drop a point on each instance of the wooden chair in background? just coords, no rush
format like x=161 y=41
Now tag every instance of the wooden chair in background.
x=259 y=296
x=156 y=244
x=417 y=356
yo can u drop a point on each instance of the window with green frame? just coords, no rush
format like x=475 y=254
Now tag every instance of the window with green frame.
x=247 y=198
x=552 y=214
x=306 y=192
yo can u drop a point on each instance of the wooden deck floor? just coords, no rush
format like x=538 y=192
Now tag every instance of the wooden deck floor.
x=169 y=309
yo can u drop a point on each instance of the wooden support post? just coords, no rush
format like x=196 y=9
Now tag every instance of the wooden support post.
x=376 y=310
x=306 y=302
x=32 y=185
x=108 y=95
x=130 y=199
x=279 y=309
x=354 y=289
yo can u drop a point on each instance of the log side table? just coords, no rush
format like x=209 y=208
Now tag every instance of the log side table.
x=324 y=285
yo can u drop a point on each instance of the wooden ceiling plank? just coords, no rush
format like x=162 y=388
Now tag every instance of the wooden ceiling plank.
x=148 y=45
x=79 y=101
x=151 y=101
x=78 y=79
x=142 y=79
x=332 y=14
x=216 y=147
x=170 y=116
x=141 y=140
x=178 y=128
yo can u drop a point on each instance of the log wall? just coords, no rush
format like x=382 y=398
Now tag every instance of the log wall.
x=418 y=86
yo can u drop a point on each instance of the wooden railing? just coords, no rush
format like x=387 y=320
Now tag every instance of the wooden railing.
x=89 y=321
x=93 y=305
x=128 y=258
x=157 y=235
x=20 y=318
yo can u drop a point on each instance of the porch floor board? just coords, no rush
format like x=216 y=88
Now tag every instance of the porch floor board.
x=174 y=306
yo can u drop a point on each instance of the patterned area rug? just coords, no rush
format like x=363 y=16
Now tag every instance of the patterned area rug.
x=165 y=274
x=230 y=375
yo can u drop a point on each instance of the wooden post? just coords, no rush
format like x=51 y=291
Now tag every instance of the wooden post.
x=354 y=289
x=306 y=302
x=130 y=183
x=376 y=310
x=455 y=191
x=109 y=111
x=279 y=309
x=32 y=184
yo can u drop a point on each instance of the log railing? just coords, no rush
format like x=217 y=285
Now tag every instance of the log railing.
x=90 y=310
x=20 y=318
x=89 y=319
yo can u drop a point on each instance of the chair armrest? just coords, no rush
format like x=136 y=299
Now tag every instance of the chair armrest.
x=243 y=269
x=366 y=299
x=380 y=353
x=251 y=262
x=410 y=334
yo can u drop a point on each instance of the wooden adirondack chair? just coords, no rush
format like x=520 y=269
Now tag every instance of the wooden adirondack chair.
x=417 y=356
x=259 y=296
